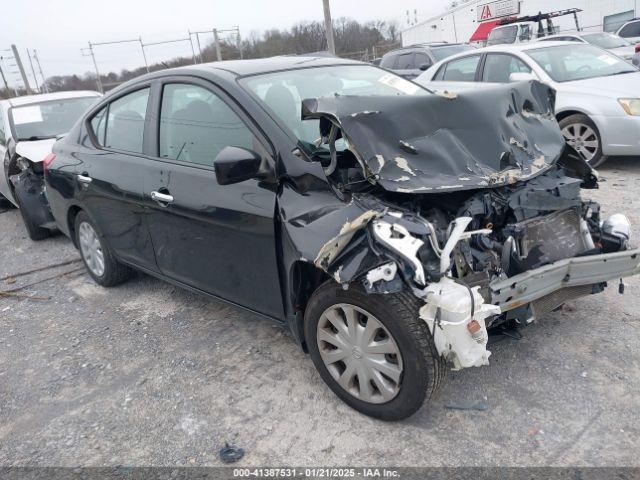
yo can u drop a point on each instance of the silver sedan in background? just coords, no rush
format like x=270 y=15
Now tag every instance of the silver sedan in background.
x=598 y=94
x=608 y=41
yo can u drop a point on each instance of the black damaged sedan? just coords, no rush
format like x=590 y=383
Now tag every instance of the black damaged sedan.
x=387 y=226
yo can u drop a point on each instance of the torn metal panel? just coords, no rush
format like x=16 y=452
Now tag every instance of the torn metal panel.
x=570 y=272
x=478 y=139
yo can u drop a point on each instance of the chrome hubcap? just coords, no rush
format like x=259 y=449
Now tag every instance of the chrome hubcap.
x=91 y=249
x=360 y=353
x=583 y=139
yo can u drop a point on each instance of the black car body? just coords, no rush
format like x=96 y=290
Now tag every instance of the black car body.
x=410 y=62
x=388 y=245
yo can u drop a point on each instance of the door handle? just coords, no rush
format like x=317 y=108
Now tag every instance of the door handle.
x=161 y=197
x=85 y=179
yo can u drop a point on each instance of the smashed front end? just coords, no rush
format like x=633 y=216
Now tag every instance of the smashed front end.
x=472 y=202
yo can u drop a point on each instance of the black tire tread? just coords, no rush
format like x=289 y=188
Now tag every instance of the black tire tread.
x=406 y=313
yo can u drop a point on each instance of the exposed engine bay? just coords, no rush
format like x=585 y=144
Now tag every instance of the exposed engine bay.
x=485 y=225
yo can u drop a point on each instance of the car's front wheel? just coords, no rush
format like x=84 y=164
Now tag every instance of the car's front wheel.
x=96 y=254
x=373 y=350
x=583 y=135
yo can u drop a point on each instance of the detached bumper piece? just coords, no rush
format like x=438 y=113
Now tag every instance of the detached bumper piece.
x=548 y=287
x=30 y=194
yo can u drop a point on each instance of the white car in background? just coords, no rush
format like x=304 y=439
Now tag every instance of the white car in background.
x=609 y=41
x=598 y=94
x=29 y=126
x=630 y=31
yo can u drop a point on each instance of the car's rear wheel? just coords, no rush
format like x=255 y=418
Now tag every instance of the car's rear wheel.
x=96 y=255
x=583 y=135
x=373 y=350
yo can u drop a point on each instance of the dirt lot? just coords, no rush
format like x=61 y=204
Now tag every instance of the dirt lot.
x=148 y=374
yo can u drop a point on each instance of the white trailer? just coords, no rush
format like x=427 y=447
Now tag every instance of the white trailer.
x=460 y=23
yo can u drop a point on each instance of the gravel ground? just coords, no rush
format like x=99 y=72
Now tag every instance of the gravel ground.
x=147 y=374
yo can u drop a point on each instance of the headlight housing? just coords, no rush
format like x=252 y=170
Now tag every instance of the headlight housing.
x=630 y=105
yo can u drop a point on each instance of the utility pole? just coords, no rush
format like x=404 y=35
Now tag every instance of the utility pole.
x=95 y=64
x=25 y=80
x=239 y=44
x=328 y=26
x=144 y=55
x=4 y=79
x=33 y=71
x=44 y=80
x=217 y=42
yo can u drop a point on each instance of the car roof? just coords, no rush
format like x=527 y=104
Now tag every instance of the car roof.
x=424 y=45
x=273 y=64
x=46 y=97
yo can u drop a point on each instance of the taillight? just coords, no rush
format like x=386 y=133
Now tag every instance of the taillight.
x=48 y=160
x=638 y=48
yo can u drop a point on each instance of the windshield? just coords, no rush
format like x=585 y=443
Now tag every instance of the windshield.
x=502 y=35
x=567 y=63
x=282 y=92
x=42 y=120
x=606 y=40
x=440 y=53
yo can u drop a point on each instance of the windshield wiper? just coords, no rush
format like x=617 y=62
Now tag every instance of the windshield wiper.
x=33 y=138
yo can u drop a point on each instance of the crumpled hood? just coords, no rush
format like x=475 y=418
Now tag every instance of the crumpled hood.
x=433 y=143
x=35 y=150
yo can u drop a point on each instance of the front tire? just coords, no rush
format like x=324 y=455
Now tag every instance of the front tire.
x=96 y=254
x=372 y=350
x=583 y=135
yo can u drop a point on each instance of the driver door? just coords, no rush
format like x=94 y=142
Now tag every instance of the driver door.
x=215 y=238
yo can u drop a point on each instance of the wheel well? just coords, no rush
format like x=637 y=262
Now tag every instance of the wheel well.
x=562 y=115
x=305 y=279
x=71 y=222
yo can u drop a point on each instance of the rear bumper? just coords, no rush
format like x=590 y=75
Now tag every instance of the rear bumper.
x=533 y=285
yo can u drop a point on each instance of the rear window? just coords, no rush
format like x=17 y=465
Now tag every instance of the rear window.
x=630 y=30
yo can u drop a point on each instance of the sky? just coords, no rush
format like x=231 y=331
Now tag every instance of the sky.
x=58 y=29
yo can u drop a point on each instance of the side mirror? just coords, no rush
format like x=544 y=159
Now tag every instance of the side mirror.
x=522 y=77
x=424 y=66
x=235 y=165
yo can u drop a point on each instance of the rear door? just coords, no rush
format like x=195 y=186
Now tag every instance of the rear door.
x=110 y=172
x=218 y=239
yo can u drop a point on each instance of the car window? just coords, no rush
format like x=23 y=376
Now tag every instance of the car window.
x=440 y=53
x=195 y=125
x=606 y=40
x=502 y=35
x=98 y=125
x=282 y=93
x=498 y=68
x=405 y=61
x=630 y=30
x=388 y=61
x=48 y=119
x=422 y=59
x=125 y=122
x=566 y=63
x=459 y=70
